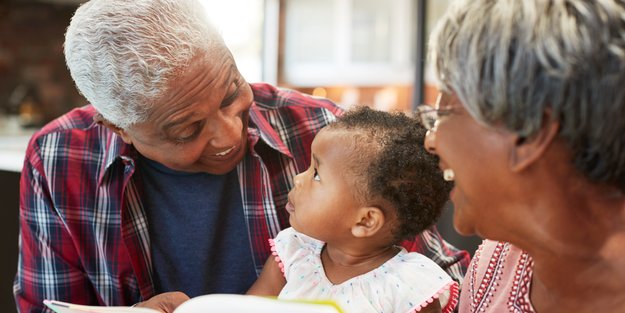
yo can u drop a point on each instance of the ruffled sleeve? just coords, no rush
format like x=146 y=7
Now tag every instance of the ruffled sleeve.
x=417 y=281
x=447 y=296
x=291 y=247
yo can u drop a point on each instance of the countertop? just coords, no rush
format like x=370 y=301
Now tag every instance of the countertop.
x=13 y=142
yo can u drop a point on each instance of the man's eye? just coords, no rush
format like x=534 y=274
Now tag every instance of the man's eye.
x=188 y=135
x=316 y=175
x=228 y=100
x=181 y=140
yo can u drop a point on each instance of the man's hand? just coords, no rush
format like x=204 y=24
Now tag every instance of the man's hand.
x=165 y=302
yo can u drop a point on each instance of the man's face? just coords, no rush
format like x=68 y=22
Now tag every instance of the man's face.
x=200 y=125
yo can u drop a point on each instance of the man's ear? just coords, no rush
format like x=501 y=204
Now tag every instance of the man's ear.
x=99 y=119
x=526 y=150
x=370 y=221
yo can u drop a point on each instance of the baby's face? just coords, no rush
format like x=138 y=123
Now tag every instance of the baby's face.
x=322 y=203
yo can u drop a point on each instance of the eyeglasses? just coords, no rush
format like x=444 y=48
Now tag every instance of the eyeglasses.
x=430 y=117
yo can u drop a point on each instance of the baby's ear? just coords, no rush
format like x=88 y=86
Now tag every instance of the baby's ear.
x=371 y=219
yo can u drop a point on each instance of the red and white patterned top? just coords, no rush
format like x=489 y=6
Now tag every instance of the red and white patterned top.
x=498 y=280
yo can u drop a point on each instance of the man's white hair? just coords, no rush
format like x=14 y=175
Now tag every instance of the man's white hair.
x=122 y=54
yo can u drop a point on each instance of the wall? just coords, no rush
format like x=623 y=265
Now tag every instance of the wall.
x=33 y=78
x=34 y=85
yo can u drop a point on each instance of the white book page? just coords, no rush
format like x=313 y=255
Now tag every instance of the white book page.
x=64 y=307
x=228 y=303
x=215 y=303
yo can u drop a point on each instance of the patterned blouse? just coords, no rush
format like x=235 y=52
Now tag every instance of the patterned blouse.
x=498 y=280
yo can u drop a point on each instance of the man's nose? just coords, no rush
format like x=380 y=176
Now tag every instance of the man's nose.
x=227 y=132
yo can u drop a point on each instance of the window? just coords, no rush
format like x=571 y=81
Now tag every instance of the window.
x=357 y=42
x=249 y=28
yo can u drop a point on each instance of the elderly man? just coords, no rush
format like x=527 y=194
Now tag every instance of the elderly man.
x=174 y=177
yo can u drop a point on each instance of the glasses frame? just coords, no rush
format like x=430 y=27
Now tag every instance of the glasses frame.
x=430 y=116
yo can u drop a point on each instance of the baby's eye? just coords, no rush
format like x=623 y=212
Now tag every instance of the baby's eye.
x=316 y=175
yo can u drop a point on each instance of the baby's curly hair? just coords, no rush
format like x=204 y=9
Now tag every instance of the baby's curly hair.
x=392 y=169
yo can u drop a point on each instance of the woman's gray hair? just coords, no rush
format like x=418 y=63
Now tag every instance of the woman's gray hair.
x=510 y=61
x=122 y=54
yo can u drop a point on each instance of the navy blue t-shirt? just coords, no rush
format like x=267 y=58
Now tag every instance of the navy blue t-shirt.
x=198 y=234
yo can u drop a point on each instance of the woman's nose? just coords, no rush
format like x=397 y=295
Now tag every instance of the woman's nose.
x=430 y=141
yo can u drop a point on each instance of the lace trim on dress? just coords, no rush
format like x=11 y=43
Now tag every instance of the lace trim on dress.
x=518 y=300
x=481 y=298
x=276 y=257
x=451 y=303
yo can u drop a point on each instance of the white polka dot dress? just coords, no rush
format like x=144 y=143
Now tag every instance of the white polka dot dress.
x=405 y=283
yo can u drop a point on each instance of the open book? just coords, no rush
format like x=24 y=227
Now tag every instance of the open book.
x=215 y=303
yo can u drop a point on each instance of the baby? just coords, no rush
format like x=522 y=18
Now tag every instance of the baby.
x=370 y=185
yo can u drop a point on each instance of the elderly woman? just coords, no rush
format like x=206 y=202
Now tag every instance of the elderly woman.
x=530 y=124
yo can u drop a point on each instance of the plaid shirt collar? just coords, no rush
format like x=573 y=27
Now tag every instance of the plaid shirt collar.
x=116 y=149
x=261 y=128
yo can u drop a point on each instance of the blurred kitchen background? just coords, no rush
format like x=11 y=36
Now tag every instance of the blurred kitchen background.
x=355 y=52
